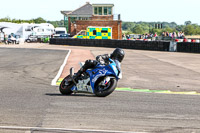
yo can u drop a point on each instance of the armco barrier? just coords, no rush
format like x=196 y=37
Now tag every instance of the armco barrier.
x=128 y=44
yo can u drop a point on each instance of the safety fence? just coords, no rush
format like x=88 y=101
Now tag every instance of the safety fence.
x=190 y=47
x=187 y=40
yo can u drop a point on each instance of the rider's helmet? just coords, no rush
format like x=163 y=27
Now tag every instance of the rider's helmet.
x=117 y=54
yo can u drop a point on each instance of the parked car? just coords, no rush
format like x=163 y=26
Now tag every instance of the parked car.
x=64 y=35
x=32 y=39
x=14 y=39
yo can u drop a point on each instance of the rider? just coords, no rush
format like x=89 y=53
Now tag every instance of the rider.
x=117 y=54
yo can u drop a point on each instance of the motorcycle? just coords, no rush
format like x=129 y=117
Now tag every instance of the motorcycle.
x=100 y=80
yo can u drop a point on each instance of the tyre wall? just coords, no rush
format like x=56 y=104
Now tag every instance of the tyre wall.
x=128 y=44
x=188 y=47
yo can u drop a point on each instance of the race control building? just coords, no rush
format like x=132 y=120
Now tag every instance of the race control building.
x=96 y=15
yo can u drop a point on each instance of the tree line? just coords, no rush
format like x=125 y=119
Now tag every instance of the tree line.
x=150 y=27
x=128 y=27
x=36 y=21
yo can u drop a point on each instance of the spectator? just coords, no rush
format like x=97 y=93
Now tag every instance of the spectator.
x=5 y=39
x=179 y=35
x=155 y=35
x=174 y=35
x=146 y=36
x=143 y=36
x=151 y=34
x=123 y=36
x=167 y=33
x=163 y=34
x=182 y=35
x=170 y=34
x=128 y=37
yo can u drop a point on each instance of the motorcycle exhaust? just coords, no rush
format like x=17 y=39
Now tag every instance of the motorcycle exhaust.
x=72 y=74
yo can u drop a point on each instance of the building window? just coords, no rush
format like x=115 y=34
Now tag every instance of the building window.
x=73 y=19
x=109 y=11
x=102 y=10
x=105 y=11
x=95 y=10
x=84 y=18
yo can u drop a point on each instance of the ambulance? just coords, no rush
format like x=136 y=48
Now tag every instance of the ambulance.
x=95 y=33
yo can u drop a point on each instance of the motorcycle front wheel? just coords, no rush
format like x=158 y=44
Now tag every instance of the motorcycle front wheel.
x=66 y=85
x=103 y=91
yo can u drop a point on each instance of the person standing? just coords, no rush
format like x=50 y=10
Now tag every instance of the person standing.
x=182 y=35
x=155 y=35
x=5 y=39
x=124 y=37
x=174 y=35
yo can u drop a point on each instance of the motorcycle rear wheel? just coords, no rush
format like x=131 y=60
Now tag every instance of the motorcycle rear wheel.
x=103 y=92
x=66 y=89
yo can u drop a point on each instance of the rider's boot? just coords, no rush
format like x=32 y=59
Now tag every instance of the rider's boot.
x=79 y=72
x=88 y=64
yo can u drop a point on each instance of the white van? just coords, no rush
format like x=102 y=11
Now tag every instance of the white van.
x=59 y=31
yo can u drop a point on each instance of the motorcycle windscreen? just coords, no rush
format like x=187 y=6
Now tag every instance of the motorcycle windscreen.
x=118 y=65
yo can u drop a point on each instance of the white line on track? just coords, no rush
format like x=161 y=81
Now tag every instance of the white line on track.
x=61 y=129
x=53 y=82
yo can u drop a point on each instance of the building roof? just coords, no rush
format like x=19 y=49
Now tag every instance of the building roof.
x=65 y=12
x=103 y=5
x=84 y=11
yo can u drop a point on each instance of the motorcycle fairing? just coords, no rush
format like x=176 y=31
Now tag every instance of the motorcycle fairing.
x=101 y=71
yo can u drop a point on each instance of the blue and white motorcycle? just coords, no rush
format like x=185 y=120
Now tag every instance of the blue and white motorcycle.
x=100 y=80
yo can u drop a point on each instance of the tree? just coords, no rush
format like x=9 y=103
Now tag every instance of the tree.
x=138 y=29
x=158 y=31
x=6 y=19
x=173 y=25
x=170 y=30
x=180 y=28
x=39 y=20
x=189 y=30
x=188 y=22
x=145 y=27
x=128 y=25
x=197 y=28
x=127 y=32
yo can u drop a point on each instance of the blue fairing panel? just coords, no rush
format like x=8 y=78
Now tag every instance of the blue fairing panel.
x=101 y=71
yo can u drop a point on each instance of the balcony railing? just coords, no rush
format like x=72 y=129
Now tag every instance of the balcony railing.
x=116 y=17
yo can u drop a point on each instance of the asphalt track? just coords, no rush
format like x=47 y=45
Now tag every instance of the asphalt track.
x=30 y=104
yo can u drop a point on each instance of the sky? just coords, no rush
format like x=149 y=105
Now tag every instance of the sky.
x=177 y=11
